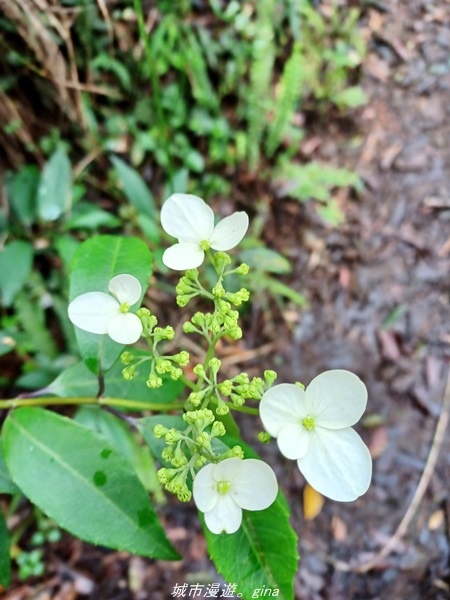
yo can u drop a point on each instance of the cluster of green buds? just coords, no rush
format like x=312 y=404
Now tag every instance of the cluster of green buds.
x=190 y=449
x=161 y=364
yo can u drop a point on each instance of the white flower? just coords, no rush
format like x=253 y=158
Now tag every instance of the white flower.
x=222 y=490
x=189 y=219
x=313 y=426
x=98 y=312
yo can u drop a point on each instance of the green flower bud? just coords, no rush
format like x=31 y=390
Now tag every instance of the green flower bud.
x=167 y=453
x=181 y=358
x=225 y=387
x=218 y=429
x=159 y=431
x=242 y=378
x=126 y=358
x=237 y=400
x=222 y=408
x=173 y=436
x=143 y=312
x=188 y=327
x=270 y=377
x=153 y=381
x=200 y=461
x=221 y=260
x=237 y=452
x=300 y=385
x=182 y=300
x=198 y=319
x=218 y=290
x=129 y=372
x=184 y=495
x=264 y=437
x=163 y=366
x=235 y=333
x=179 y=458
x=199 y=370
x=243 y=269
x=214 y=365
x=175 y=373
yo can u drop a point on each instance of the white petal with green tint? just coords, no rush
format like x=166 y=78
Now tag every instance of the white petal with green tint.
x=337 y=398
x=93 y=311
x=226 y=516
x=282 y=405
x=187 y=218
x=293 y=441
x=126 y=288
x=125 y=328
x=229 y=232
x=338 y=464
x=255 y=487
x=183 y=256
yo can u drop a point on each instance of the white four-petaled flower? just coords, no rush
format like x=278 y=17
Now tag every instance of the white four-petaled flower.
x=189 y=219
x=222 y=490
x=97 y=312
x=313 y=426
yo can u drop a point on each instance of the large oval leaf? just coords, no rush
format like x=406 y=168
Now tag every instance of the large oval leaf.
x=95 y=262
x=81 y=482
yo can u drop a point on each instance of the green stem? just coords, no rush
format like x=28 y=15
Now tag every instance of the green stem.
x=52 y=401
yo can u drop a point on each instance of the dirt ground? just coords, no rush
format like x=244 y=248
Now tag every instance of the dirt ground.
x=378 y=293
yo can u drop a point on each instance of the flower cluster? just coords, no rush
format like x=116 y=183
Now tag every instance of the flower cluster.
x=312 y=426
x=97 y=312
x=189 y=219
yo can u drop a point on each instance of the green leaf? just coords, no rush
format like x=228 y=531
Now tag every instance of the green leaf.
x=118 y=434
x=134 y=187
x=263 y=552
x=74 y=381
x=94 y=263
x=55 y=187
x=264 y=259
x=15 y=258
x=81 y=482
x=22 y=190
x=351 y=97
x=5 y=560
x=146 y=426
x=86 y=216
x=7 y=486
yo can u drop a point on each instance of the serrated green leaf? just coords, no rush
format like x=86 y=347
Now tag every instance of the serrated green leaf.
x=5 y=560
x=55 y=187
x=16 y=257
x=94 y=263
x=134 y=187
x=81 y=482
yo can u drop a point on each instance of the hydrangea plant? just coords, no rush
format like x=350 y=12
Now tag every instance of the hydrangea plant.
x=142 y=408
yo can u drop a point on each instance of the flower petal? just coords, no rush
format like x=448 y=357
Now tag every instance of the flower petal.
x=229 y=231
x=282 y=405
x=187 y=218
x=255 y=487
x=126 y=288
x=338 y=464
x=337 y=398
x=204 y=489
x=225 y=516
x=125 y=328
x=293 y=441
x=183 y=256
x=93 y=311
